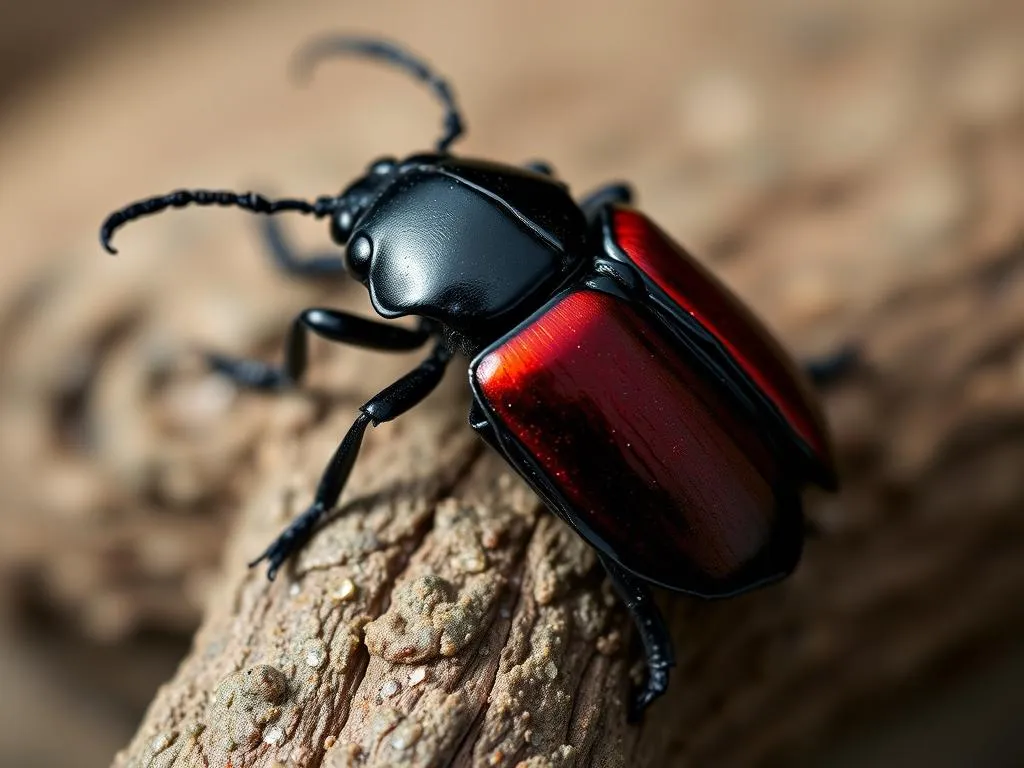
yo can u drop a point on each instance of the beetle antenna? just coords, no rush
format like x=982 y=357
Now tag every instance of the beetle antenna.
x=250 y=201
x=390 y=53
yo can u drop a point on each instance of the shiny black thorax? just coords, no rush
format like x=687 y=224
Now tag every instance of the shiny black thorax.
x=474 y=246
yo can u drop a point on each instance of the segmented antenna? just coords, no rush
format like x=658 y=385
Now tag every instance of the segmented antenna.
x=315 y=51
x=249 y=201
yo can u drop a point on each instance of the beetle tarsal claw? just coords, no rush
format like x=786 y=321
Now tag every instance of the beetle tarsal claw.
x=275 y=555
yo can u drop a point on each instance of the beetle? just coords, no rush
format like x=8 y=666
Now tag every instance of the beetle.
x=645 y=405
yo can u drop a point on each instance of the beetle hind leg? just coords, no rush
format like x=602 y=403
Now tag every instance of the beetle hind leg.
x=654 y=635
x=832 y=368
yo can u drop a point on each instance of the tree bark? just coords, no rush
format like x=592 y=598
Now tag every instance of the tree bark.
x=437 y=617
x=441 y=616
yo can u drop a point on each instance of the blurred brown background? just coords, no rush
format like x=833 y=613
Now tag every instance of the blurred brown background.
x=854 y=170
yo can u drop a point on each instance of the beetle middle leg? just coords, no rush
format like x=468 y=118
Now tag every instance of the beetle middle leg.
x=285 y=258
x=539 y=166
x=654 y=635
x=330 y=324
x=592 y=204
x=390 y=403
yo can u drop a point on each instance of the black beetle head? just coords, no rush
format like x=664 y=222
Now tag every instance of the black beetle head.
x=346 y=209
x=354 y=201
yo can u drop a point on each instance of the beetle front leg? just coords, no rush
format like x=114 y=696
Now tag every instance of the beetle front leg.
x=291 y=263
x=406 y=393
x=654 y=635
x=330 y=324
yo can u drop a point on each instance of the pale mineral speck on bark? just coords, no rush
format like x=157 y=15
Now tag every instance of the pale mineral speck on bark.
x=346 y=590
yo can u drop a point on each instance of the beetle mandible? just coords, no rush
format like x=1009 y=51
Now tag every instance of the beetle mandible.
x=642 y=402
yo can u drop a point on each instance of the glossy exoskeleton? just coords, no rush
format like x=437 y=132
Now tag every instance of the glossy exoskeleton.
x=643 y=403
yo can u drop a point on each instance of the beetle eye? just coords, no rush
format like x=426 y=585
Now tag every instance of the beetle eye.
x=341 y=226
x=359 y=252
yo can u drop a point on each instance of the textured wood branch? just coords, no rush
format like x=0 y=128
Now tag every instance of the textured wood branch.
x=849 y=186
x=437 y=618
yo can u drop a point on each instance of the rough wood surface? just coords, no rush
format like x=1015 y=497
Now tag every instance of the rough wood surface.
x=853 y=173
x=438 y=620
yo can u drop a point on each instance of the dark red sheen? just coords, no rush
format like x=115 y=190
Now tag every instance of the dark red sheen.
x=712 y=305
x=647 y=453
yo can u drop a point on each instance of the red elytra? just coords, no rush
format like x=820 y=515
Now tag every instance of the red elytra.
x=652 y=464
x=712 y=305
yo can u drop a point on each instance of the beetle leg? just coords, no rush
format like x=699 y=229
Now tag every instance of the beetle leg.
x=541 y=167
x=829 y=369
x=654 y=635
x=331 y=324
x=390 y=403
x=288 y=261
x=603 y=196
